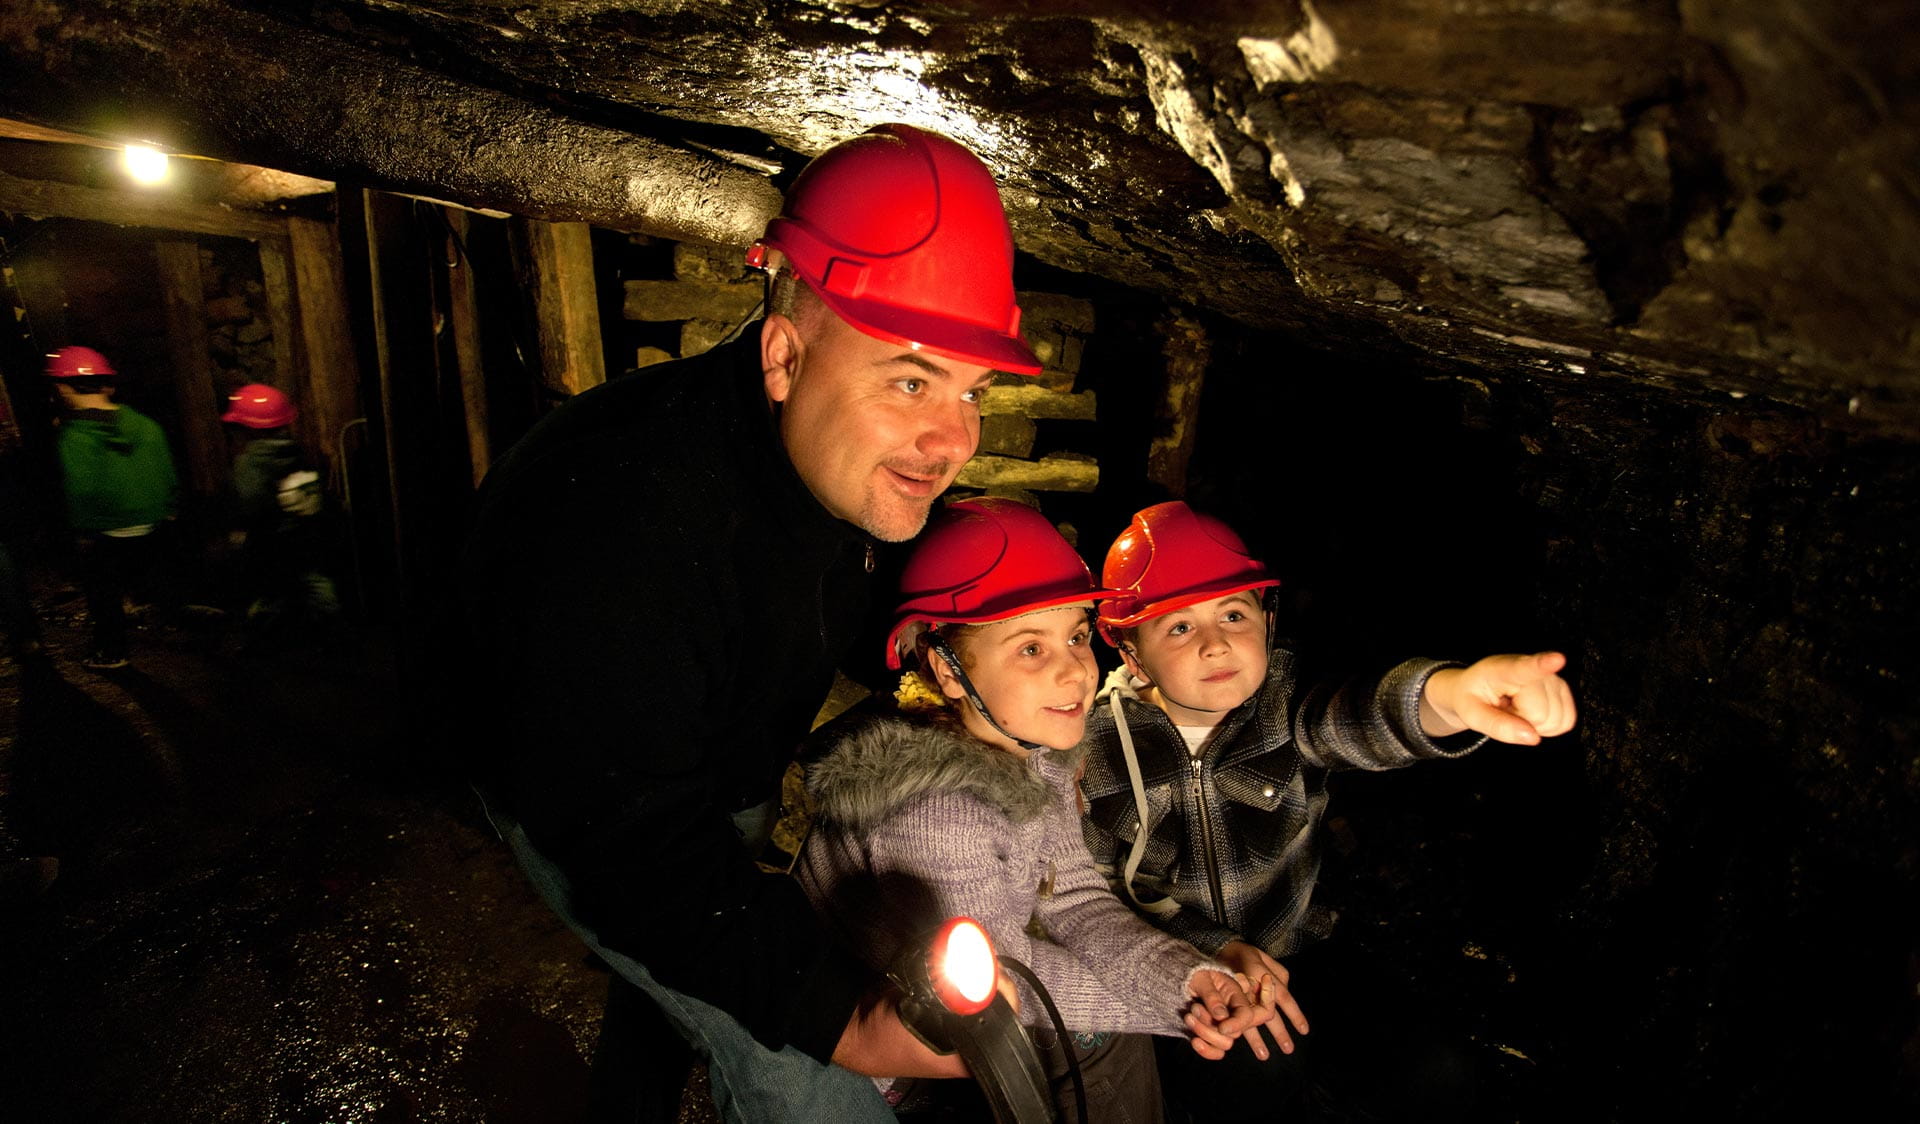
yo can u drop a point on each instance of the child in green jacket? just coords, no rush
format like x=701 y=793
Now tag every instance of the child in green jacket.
x=120 y=487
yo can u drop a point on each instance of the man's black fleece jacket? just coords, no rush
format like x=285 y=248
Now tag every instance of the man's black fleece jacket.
x=657 y=604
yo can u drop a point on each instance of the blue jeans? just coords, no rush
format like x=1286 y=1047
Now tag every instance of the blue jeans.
x=751 y=1084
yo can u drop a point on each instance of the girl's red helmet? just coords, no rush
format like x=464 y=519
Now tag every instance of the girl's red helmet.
x=258 y=406
x=1170 y=557
x=985 y=560
x=78 y=362
x=902 y=234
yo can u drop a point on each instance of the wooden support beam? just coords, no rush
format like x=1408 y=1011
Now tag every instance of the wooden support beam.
x=283 y=315
x=1185 y=343
x=566 y=304
x=46 y=199
x=464 y=322
x=203 y=447
x=330 y=396
x=402 y=339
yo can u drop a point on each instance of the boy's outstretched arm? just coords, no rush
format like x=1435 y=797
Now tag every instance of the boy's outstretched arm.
x=1515 y=699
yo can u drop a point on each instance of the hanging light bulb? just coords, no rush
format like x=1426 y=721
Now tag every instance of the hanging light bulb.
x=145 y=163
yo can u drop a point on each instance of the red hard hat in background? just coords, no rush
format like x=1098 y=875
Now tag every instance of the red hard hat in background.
x=78 y=362
x=902 y=234
x=984 y=560
x=1170 y=557
x=258 y=406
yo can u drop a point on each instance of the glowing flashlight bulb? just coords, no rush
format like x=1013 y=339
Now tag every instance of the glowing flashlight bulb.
x=969 y=962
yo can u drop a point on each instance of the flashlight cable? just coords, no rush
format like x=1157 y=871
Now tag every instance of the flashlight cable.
x=1059 y=1028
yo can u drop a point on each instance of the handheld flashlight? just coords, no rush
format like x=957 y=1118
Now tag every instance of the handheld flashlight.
x=950 y=999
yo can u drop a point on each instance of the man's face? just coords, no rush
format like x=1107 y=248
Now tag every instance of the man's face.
x=1205 y=659
x=876 y=430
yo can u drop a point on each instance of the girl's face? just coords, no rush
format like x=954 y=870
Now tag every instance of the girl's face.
x=1036 y=673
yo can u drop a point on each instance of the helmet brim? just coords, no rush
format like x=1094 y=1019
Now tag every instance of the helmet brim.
x=1178 y=601
x=894 y=661
x=921 y=331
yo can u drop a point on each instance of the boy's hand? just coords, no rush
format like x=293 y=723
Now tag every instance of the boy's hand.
x=1515 y=699
x=1263 y=978
x=1221 y=1012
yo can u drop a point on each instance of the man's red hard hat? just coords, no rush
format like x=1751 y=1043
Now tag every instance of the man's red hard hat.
x=78 y=362
x=258 y=406
x=985 y=560
x=902 y=234
x=1170 y=557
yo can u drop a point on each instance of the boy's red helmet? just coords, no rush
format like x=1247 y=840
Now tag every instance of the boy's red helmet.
x=1170 y=557
x=984 y=560
x=78 y=362
x=258 y=406
x=902 y=234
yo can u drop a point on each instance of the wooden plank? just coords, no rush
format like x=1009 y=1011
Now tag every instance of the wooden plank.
x=1057 y=472
x=330 y=396
x=1029 y=401
x=464 y=321
x=730 y=301
x=160 y=211
x=276 y=277
x=398 y=287
x=203 y=446
x=566 y=304
x=1007 y=434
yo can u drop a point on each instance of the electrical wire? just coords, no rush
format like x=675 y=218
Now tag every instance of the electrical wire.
x=1059 y=1028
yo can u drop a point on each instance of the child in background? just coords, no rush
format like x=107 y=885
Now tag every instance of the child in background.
x=1206 y=738
x=279 y=500
x=120 y=487
x=968 y=806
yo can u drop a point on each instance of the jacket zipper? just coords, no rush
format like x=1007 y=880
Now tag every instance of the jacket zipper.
x=1206 y=840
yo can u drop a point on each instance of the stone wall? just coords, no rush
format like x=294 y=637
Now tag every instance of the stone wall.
x=239 y=330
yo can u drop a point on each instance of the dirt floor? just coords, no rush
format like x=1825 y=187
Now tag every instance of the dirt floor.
x=264 y=909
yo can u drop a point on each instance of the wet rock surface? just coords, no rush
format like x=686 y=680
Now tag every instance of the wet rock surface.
x=1708 y=194
x=264 y=908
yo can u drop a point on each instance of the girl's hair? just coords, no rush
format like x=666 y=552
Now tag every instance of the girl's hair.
x=919 y=691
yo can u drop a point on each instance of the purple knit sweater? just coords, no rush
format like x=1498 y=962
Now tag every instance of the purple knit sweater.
x=916 y=823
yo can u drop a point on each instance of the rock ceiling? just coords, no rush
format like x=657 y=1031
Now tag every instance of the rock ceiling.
x=1719 y=196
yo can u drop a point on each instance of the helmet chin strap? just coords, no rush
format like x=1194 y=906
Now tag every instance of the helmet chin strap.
x=940 y=647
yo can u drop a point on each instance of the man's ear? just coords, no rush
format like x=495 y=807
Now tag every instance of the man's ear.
x=781 y=349
x=1132 y=661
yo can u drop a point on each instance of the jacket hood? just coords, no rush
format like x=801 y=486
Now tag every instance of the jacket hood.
x=1121 y=682
x=885 y=762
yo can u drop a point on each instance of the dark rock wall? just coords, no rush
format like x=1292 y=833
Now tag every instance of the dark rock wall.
x=1704 y=897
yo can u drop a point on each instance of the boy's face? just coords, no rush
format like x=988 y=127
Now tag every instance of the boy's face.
x=1205 y=659
x=1036 y=673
